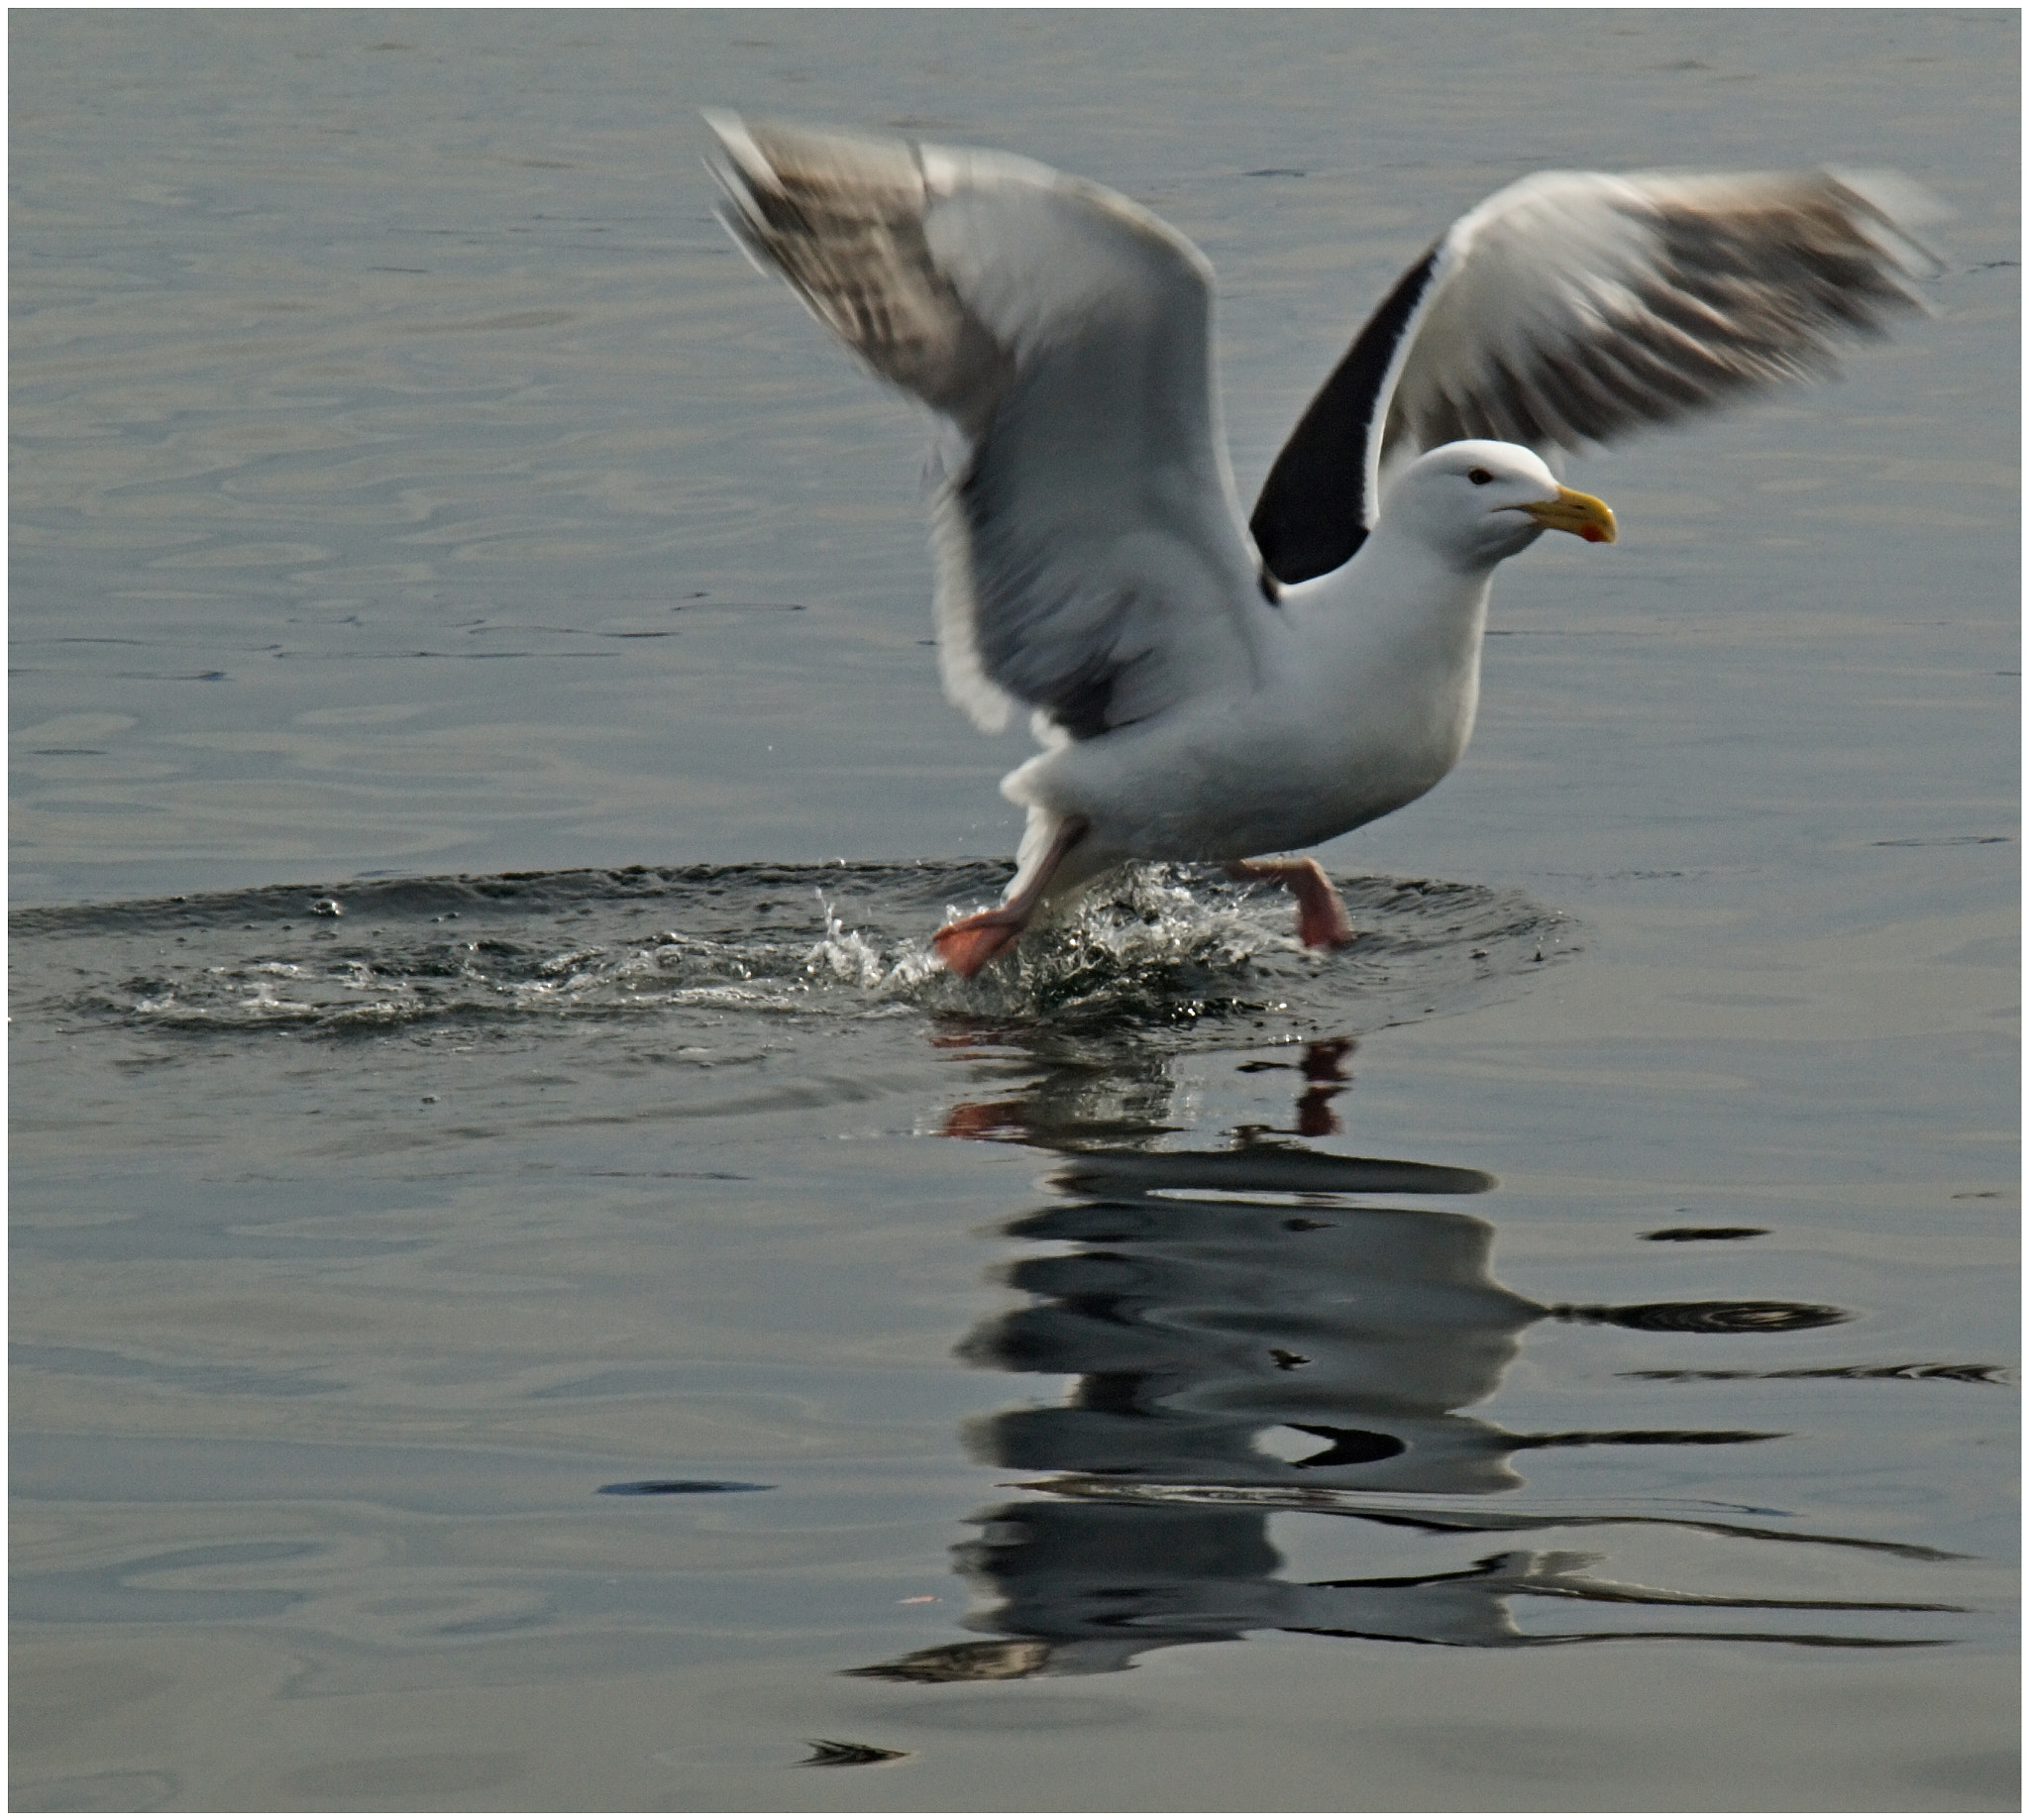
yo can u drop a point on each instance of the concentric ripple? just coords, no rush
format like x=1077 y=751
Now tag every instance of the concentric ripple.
x=1165 y=949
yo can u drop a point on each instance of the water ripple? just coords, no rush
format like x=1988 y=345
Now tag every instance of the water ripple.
x=1165 y=950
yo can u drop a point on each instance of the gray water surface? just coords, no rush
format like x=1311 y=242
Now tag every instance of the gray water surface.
x=529 y=1291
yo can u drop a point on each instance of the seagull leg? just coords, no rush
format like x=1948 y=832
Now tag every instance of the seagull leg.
x=965 y=946
x=1321 y=919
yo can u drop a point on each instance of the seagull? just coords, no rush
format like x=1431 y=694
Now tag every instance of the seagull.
x=1212 y=688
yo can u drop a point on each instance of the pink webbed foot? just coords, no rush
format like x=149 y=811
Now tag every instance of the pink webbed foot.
x=1321 y=919
x=965 y=946
x=1322 y=922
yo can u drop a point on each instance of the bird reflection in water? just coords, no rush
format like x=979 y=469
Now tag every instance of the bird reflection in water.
x=1247 y=1338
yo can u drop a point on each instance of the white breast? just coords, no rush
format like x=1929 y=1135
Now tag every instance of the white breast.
x=1357 y=710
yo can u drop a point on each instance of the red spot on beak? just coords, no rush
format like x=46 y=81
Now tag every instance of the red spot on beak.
x=1592 y=534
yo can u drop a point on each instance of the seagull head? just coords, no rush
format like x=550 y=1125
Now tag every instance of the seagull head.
x=1477 y=503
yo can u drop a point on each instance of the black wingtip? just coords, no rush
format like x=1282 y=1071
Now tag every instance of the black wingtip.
x=1313 y=511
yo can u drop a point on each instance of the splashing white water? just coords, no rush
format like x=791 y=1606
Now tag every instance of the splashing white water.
x=1152 y=947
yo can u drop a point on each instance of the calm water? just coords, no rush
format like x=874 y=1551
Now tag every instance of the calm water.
x=526 y=1289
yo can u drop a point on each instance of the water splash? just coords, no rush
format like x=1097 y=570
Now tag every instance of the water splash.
x=1161 y=949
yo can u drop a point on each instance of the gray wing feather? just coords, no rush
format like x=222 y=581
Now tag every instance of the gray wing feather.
x=1573 y=307
x=1091 y=562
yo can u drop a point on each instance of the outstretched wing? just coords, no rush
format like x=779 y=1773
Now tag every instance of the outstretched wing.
x=1091 y=559
x=1573 y=307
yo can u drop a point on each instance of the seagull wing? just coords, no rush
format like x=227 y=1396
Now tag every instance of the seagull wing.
x=1573 y=307
x=1091 y=559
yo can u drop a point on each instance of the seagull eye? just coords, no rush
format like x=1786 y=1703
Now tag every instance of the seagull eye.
x=1479 y=476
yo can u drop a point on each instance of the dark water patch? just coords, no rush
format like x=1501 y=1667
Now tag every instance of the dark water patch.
x=674 y=1488
x=1259 y=1169
x=1708 y=1316
x=837 y=1753
x=1697 y=1235
x=1957 y=1374
x=1646 y=1437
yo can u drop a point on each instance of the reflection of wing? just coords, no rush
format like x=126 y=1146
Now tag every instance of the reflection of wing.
x=1092 y=561
x=1573 y=307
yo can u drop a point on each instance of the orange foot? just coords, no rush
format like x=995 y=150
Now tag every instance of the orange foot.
x=965 y=946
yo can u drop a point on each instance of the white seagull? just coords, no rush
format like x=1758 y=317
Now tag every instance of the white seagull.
x=1210 y=689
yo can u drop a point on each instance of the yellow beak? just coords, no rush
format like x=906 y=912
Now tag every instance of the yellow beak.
x=1576 y=512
